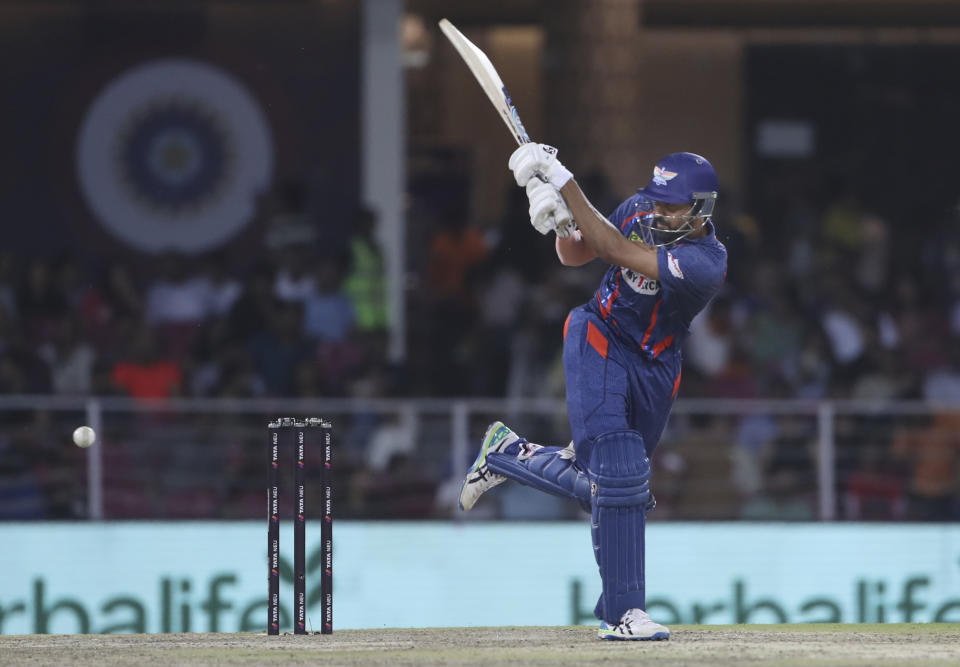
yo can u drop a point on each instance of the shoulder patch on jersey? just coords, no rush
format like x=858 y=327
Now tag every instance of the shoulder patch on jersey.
x=674 y=266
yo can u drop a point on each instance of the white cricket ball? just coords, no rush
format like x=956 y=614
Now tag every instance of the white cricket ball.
x=84 y=436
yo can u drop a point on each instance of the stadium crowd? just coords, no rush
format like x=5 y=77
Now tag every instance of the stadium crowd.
x=827 y=302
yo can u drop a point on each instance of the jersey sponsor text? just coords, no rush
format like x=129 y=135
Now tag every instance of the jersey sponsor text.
x=640 y=283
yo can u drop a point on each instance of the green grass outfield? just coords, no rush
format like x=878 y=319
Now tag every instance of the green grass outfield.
x=834 y=645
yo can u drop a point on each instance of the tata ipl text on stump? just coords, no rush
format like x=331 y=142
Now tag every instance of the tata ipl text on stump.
x=298 y=436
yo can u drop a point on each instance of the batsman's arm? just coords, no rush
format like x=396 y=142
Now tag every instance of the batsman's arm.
x=605 y=240
x=573 y=250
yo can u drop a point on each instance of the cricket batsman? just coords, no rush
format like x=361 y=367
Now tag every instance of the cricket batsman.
x=621 y=359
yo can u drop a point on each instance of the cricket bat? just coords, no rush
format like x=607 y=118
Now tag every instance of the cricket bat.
x=486 y=75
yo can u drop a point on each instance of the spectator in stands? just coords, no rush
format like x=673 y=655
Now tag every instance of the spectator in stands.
x=872 y=267
x=293 y=281
x=287 y=222
x=121 y=294
x=177 y=303
x=787 y=480
x=843 y=325
x=883 y=377
x=930 y=450
x=143 y=373
x=942 y=382
x=177 y=297
x=232 y=374
x=279 y=349
x=449 y=301
x=224 y=286
x=111 y=307
x=71 y=282
x=252 y=313
x=813 y=367
x=39 y=301
x=70 y=357
x=874 y=490
x=842 y=228
x=701 y=479
x=328 y=312
x=365 y=280
x=501 y=300
x=708 y=348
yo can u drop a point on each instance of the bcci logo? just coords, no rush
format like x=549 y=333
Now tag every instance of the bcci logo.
x=172 y=154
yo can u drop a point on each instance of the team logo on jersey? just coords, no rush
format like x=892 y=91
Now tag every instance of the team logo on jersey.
x=661 y=175
x=640 y=283
x=674 y=266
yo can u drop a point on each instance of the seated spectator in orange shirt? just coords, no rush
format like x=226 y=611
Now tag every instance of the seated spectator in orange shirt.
x=144 y=375
x=931 y=452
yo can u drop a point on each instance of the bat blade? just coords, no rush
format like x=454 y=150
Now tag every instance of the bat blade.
x=486 y=75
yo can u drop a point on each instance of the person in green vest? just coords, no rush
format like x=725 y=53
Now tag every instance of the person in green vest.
x=365 y=283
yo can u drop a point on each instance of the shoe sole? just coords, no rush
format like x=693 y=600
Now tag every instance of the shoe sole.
x=488 y=437
x=609 y=634
x=659 y=636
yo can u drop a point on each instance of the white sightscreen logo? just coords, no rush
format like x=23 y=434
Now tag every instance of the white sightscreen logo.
x=172 y=154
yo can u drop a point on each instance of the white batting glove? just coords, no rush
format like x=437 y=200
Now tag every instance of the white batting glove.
x=565 y=226
x=548 y=211
x=532 y=160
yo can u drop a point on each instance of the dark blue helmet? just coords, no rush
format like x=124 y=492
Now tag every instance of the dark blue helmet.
x=680 y=178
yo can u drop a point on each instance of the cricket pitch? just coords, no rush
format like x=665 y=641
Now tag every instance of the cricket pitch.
x=804 y=645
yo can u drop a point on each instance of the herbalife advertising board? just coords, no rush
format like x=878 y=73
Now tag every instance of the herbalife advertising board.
x=199 y=576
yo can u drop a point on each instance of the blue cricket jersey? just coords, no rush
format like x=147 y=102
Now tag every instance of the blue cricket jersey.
x=653 y=316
